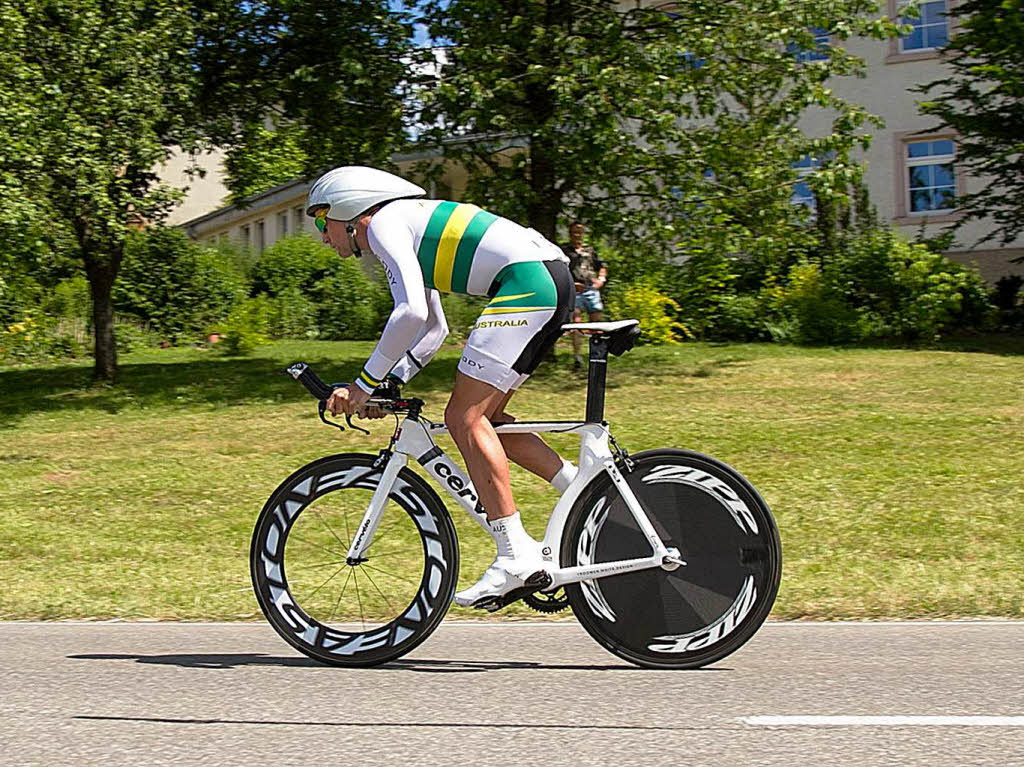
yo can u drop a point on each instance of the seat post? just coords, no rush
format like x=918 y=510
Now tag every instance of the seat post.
x=596 y=374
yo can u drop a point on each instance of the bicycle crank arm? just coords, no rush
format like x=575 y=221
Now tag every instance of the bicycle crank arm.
x=670 y=560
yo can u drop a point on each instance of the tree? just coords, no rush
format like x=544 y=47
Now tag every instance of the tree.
x=656 y=124
x=95 y=95
x=295 y=86
x=983 y=100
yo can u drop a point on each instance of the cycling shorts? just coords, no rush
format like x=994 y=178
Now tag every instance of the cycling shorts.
x=530 y=301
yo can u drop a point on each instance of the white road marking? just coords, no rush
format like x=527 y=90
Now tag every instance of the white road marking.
x=884 y=721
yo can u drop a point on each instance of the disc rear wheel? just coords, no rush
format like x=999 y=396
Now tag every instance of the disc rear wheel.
x=704 y=609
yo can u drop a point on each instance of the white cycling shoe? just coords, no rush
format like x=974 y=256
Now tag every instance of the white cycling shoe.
x=503 y=582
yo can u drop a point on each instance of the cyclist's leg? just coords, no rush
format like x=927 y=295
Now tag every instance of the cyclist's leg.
x=527 y=450
x=468 y=419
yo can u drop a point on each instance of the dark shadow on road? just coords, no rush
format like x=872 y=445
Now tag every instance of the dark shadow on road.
x=204 y=661
x=438 y=725
x=422 y=665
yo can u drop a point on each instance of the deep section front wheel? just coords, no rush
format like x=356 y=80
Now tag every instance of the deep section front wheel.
x=701 y=611
x=364 y=613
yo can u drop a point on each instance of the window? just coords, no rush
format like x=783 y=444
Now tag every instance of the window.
x=820 y=50
x=298 y=217
x=802 y=192
x=246 y=236
x=261 y=236
x=930 y=31
x=931 y=180
x=282 y=225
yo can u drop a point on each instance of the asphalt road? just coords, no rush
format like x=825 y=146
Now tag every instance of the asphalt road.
x=511 y=694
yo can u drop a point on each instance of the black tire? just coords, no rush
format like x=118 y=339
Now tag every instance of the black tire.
x=309 y=517
x=700 y=612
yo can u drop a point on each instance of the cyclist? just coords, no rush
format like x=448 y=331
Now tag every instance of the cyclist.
x=429 y=247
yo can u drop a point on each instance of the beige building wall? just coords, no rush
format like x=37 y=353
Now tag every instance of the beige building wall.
x=887 y=91
x=203 y=194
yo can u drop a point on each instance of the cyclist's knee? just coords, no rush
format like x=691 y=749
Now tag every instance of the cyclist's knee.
x=502 y=417
x=460 y=420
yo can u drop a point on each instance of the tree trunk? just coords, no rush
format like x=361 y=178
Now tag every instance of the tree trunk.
x=101 y=273
x=546 y=201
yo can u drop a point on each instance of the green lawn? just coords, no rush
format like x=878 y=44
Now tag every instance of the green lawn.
x=895 y=475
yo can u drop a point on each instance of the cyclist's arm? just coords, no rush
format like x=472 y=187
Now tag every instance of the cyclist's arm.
x=427 y=344
x=391 y=241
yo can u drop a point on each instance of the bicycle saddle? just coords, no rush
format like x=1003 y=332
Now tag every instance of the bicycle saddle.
x=621 y=335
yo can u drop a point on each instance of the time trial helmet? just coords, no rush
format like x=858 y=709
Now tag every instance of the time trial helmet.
x=353 y=189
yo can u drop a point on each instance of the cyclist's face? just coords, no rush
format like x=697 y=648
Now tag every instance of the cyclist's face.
x=335 y=236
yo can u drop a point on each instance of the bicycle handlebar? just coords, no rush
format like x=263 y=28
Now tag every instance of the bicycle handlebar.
x=389 y=399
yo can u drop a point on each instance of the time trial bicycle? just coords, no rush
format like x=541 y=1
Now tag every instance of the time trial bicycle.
x=668 y=558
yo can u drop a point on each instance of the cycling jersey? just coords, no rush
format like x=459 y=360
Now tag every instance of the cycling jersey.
x=432 y=246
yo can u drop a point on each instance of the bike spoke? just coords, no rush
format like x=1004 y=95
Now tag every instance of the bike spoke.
x=381 y=532
x=321 y=564
x=345 y=586
x=299 y=538
x=324 y=521
x=362 y=618
x=392 y=575
x=386 y=600
x=391 y=553
x=310 y=596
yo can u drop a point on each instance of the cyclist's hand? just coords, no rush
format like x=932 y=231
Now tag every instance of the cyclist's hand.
x=346 y=399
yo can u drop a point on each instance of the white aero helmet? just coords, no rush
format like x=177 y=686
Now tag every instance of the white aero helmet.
x=354 y=189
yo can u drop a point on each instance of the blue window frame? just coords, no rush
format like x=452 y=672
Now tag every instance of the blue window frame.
x=802 y=193
x=930 y=31
x=931 y=177
x=820 y=50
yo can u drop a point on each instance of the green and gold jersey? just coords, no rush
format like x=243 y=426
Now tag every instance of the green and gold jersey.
x=458 y=247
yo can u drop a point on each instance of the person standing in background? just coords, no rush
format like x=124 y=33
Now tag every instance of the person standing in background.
x=590 y=274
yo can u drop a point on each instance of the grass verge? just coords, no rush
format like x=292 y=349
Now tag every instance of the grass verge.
x=894 y=474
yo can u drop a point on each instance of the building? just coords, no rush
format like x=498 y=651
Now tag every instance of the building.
x=911 y=168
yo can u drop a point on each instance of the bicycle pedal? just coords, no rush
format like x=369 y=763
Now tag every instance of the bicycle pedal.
x=534 y=583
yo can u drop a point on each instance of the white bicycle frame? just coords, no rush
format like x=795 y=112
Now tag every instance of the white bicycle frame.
x=415 y=438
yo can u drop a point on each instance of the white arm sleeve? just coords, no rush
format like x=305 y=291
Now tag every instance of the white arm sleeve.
x=426 y=345
x=392 y=242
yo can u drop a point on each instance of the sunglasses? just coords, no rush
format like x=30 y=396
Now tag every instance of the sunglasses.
x=321 y=220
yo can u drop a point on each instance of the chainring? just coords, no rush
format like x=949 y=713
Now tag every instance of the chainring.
x=547 y=602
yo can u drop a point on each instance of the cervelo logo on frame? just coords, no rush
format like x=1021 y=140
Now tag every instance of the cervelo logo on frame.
x=461 y=488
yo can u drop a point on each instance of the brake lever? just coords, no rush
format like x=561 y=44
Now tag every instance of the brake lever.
x=321 y=409
x=348 y=420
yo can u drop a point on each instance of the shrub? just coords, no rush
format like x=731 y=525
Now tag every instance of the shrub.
x=351 y=304
x=700 y=288
x=656 y=312
x=70 y=299
x=245 y=327
x=940 y=295
x=292 y=315
x=298 y=262
x=905 y=290
x=740 y=318
x=807 y=310
x=173 y=285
